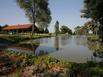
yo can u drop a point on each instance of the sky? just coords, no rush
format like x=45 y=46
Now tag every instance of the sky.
x=67 y=12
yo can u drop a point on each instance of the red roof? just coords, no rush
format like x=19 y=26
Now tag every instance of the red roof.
x=15 y=27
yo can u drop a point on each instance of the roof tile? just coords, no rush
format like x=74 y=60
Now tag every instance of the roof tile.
x=15 y=27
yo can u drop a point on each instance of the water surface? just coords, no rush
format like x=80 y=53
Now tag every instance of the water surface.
x=73 y=48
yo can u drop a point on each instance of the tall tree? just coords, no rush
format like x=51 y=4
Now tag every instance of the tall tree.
x=56 y=28
x=36 y=11
x=94 y=9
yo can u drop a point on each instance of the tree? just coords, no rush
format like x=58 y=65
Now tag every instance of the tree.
x=36 y=10
x=90 y=25
x=65 y=29
x=43 y=27
x=77 y=30
x=56 y=28
x=80 y=30
x=46 y=30
x=41 y=30
x=94 y=9
x=5 y=25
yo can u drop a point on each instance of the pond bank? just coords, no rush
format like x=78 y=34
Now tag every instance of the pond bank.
x=93 y=38
x=29 y=65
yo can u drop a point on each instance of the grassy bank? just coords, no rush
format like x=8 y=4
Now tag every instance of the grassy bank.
x=7 y=39
x=93 y=38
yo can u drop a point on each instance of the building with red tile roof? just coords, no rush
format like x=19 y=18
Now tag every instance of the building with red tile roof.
x=18 y=27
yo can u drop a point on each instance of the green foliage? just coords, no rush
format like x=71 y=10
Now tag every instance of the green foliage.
x=93 y=9
x=65 y=29
x=88 y=26
x=81 y=30
x=38 y=7
x=78 y=30
x=51 y=61
x=89 y=69
x=23 y=59
x=43 y=27
x=28 y=59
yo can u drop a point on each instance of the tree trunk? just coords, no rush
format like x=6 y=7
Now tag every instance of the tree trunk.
x=33 y=17
x=33 y=24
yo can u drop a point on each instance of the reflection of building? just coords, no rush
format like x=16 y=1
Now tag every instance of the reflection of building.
x=19 y=28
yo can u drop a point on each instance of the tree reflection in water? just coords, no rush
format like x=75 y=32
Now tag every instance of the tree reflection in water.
x=64 y=40
x=56 y=43
x=34 y=46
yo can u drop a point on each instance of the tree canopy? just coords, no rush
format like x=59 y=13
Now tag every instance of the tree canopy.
x=93 y=9
x=65 y=29
x=90 y=25
x=36 y=10
x=81 y=30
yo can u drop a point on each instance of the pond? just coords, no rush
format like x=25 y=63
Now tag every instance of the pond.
x=72 y=48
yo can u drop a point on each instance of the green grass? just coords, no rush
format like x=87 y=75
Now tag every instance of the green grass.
x=11 y=39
